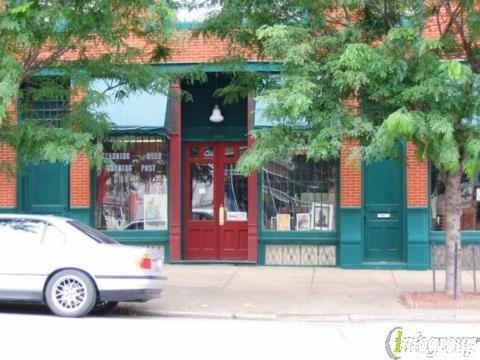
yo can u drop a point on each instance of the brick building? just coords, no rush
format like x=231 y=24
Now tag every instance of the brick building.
x=174 y=186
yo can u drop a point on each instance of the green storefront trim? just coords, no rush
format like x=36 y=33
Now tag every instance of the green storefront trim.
x=8 y=210
x=249 y=66
x=351 y=238
x=214 y=134
x=468 y=237
x=82 y=214
x=418 y=252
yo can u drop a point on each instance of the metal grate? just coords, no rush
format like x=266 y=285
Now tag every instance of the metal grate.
x=300 y=255
x=49 y=111
x=48 y=107
x=467 y=253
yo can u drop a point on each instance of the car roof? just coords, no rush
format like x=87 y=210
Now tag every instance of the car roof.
x=33 y=217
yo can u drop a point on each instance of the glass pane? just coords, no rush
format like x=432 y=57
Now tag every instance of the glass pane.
x=132 y=189
x=201 y=198
x=299 y=195
x=194 y=152
x=235 y=194
x=208 y=153
x=470 y=206
x=229 y=152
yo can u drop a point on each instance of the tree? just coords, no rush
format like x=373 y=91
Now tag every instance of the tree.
x=78 y=41
x=410 y=89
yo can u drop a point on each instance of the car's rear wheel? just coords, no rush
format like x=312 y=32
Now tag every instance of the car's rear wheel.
x=70 y=293
x=104 y=307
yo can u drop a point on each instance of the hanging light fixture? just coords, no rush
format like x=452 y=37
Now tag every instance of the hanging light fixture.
x=216 y=116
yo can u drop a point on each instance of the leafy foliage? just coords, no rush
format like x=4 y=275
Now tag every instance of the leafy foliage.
x=375 y=51
x=80 y=40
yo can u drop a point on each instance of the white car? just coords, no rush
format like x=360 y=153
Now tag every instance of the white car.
x=72 y=267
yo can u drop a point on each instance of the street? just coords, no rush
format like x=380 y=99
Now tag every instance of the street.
x=31 y=333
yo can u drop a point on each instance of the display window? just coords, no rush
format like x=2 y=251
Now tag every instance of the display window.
x=132 y=186
x=299 y=195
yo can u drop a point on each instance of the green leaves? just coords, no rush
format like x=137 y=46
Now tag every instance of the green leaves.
x=22 y=8
x=37 y=36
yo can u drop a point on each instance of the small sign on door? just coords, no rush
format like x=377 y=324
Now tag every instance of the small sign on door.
x=383 y=216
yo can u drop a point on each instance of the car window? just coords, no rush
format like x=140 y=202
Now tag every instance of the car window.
x=23 y=230
x=53 y=236
x=92 y=233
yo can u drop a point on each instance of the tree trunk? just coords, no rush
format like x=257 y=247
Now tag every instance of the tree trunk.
x=452 y=235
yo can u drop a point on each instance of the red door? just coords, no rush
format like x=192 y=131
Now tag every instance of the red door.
x=216 y=202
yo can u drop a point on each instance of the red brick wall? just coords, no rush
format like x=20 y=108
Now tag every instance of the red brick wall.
x=80 y=181
x=8 y=181
x=185 y=48
x=79 y=169
x=350 y=177
x=417 y=179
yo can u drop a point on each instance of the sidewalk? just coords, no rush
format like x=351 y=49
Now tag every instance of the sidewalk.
x=290 y=293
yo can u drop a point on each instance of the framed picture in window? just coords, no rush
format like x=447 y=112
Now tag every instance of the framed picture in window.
x=322 y=216
x=283 y=221
x=303 y=221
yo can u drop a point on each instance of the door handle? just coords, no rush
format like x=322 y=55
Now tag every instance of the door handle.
x=221 y=215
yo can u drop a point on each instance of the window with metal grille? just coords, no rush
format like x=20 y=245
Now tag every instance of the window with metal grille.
x=44 y=99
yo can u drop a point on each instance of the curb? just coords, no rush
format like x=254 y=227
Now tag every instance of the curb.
x=320 y=318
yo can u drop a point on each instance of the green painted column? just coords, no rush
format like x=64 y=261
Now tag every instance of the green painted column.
x=351 y=246
x=82 y=214
x=418 y=254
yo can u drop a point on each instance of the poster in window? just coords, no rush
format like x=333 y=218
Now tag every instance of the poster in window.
x=155 y=211
x=283 y=221
x=322 y=215
x=303 y=221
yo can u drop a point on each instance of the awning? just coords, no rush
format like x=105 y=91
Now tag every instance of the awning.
x=262 y=120
x=139 y=113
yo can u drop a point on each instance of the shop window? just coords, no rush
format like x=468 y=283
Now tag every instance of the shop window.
x=132 y=186
x=299 y=195
x=470 y=219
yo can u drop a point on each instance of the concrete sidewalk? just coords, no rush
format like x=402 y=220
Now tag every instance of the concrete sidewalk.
x=310 y=294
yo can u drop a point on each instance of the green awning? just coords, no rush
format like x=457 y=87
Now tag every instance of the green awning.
x=261 y=119
x=137 y=114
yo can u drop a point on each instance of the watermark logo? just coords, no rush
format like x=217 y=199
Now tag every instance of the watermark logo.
x=397 y=344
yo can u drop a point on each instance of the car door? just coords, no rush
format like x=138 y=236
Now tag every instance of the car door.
x=22 y=272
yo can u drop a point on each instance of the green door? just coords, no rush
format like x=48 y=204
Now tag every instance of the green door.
x=46 y=189
x=384 y=201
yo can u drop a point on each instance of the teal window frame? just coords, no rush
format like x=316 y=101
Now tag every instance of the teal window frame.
x=297 y=237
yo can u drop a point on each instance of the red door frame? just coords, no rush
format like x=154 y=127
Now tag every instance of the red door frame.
x=209 y=239
x=176 y=233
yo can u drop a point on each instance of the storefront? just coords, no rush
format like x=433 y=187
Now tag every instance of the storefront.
x=169 y=181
